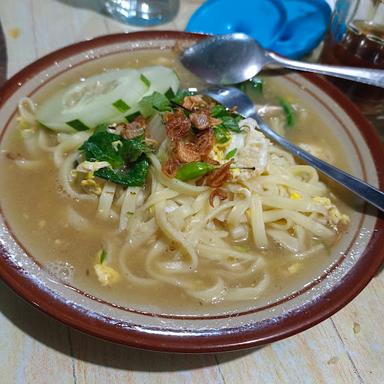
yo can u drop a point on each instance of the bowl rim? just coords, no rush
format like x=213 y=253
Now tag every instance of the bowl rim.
x=330 y=302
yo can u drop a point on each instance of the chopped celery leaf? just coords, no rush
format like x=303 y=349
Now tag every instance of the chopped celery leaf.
x=221 y=134
x=289 y=112
x=152 y=103
x=121 y=105
x=145 y=80
x=77 y=124
x=180 y=95
x=230 y=154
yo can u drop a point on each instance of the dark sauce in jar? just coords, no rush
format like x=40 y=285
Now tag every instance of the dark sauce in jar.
x=362 y=45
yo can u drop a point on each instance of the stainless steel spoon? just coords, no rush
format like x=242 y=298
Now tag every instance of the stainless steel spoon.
x=232 y=97
x=234 y=58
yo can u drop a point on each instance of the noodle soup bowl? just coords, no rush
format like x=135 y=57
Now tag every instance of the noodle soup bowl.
x=352 y=262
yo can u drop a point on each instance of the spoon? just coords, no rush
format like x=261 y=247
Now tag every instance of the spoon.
x=234 y=58
x=232 y=97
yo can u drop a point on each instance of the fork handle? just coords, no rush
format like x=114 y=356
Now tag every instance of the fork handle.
x=365 y=191
x=361 y=75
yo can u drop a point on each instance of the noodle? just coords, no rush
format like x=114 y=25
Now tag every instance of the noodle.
x=212 y=253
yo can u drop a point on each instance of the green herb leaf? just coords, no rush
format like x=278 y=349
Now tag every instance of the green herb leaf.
x=221 y=134
x=193 y=170
x=180 y=95
x=169 y=94
x=145 y=80
x=230 y=154
x=229 y=119
x=77 y=124
x=155 y=102
x=231 y=122
x=102 y=256
x=289 y=112
x=99 y=147
x=132 y=116
x=257 y=84
x=121 y=105
x=128 y=160
x=218 y=110
x=132 y=175
x=101 y=127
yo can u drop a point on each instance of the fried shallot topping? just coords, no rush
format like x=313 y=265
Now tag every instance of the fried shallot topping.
x=200 y=119
x=177 y=125
x=131 y=130
x=213 y=121
x=211 y=161
x=194 y=102
x=169 y=167
x=204 y=142
x=186 y=152
x=218 y=192
x=216 y=178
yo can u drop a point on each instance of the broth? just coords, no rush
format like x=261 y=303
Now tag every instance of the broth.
x=35 y=207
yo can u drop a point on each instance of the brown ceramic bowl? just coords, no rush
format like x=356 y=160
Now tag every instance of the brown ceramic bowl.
x=352 y=264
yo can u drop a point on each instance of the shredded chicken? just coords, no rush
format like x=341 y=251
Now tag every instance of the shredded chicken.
x=216 y=178
x=218 y=192
x=177 y=125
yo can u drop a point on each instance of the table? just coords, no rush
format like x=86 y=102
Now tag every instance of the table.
x=347 y=348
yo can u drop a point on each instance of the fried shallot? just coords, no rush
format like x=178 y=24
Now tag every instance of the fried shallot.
x=186 y=152
x=169 y=167
x=177 y=125
x=194 y=102
x=216 y=178
x=218 y=192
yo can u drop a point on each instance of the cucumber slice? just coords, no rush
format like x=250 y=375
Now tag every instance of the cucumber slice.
x=92 y=101
x=161 y=79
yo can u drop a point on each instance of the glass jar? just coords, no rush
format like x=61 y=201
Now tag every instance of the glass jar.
x=356 y=38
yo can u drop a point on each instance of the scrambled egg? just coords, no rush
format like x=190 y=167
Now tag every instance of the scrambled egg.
x=251 y=151
x=89 y=183
x=106 y=275
x=334 y=215
x=91 y=166
x=294 y=196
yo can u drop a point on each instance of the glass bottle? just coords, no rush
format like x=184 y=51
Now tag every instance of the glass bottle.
x=141 y=12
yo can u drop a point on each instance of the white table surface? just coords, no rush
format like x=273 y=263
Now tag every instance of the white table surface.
x=347 y=348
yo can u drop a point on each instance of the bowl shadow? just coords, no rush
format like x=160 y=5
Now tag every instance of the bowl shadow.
x=77 y=345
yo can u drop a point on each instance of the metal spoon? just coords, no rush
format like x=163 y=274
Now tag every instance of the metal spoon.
x=234 y=58
x=232 y=97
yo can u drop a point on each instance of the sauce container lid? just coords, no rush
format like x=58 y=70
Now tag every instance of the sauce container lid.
x=289 y=27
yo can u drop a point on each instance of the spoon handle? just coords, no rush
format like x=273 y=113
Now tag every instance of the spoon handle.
x=362 y=75
x=365 y=191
